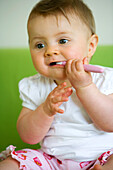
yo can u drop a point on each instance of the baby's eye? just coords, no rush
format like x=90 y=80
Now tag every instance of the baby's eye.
x=63 y=41
x=39 y=46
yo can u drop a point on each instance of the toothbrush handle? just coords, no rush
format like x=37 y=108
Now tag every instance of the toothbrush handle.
x=91 y=68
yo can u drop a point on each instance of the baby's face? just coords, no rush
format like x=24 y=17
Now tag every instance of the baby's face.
x=54 y=40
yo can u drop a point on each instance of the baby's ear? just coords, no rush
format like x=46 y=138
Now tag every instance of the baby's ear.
x=92 y=45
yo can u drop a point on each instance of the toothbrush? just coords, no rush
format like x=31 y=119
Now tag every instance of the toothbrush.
x=90 y=68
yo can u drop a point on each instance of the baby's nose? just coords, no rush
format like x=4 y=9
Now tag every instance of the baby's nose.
x=51 y=51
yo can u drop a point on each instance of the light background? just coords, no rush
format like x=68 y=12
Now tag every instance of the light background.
x=14 y=14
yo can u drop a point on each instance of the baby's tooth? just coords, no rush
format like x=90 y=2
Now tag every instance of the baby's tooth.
x=59 y=62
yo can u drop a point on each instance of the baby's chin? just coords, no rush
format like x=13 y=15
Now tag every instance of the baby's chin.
x=62 y=77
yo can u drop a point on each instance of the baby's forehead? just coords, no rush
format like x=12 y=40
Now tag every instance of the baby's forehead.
x=59 y=19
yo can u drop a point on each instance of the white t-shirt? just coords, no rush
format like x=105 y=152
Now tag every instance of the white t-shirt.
x=72 y=134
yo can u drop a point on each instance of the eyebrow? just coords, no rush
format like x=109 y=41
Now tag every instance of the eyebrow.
x=37 y=37
x=60 y=33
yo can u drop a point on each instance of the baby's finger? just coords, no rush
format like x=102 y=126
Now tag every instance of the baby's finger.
x=79 y=65
x=58 y=110
x=63 y=96
x=73 y=65
x=68 y=91
x=57 y=90
x=61 y=86
x=68 y=66
x=60 y=99
x=85 y=60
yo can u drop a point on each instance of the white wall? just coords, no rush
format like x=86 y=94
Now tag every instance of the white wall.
x=14 y=14
x=103 y=14
x=13 y=22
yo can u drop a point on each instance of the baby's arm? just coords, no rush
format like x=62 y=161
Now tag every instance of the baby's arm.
x=33 y=125
x=98 y=106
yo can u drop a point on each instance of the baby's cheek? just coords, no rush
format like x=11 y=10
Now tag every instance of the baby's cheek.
x=77 y=55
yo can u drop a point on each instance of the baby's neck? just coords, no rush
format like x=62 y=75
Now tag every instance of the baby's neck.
x=61 y=81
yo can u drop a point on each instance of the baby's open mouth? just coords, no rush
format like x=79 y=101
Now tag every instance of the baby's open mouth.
x=62 y=63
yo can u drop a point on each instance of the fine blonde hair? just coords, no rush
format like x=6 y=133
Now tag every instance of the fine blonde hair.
x=65 y=7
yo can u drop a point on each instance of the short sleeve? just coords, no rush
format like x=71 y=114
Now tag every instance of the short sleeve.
x=24 y=94
x=30 y=92
x=104 y=81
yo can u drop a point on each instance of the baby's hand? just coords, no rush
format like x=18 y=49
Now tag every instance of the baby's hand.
x=76 y=74
x=59 y=95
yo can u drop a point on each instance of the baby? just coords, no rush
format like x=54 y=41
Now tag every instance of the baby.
x=67 y=109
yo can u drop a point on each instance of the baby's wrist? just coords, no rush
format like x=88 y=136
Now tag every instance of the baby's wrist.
x=46 y=110
x=85 y=87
